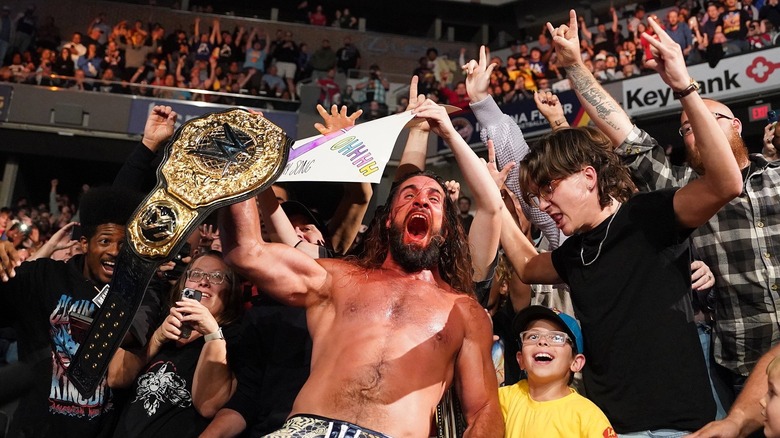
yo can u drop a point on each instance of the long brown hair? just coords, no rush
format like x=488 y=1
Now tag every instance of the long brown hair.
x=564 y=152
x=455 y=259
x=232 y=301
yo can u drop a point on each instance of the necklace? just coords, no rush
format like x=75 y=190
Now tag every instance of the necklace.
x=598 y=252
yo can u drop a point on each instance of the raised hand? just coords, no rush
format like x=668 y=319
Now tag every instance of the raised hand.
x=415 y=100
x=437 y=118
x=499 y=176
x=453 y=190
x=9 y=259
x=335 y=120
x=478 y=76
x=769 y=150
x=566 y=41
x=668 y=59
x=159 y=127
x=551 y=108
x=197 y=315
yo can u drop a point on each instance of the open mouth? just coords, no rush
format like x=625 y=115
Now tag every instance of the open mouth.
x=417 y=226
x=108 y=266
x=543 y=357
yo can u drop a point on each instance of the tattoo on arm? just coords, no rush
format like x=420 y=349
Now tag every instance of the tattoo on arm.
x=586 y=85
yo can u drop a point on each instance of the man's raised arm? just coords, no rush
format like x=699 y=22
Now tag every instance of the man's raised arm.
x=605 y=112
x=280 y=270
x=487 y=222
x=700 y=199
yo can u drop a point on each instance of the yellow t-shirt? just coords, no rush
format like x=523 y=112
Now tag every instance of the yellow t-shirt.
x=567 y=417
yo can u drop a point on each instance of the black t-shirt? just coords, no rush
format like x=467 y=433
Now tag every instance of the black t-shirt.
x=645 y=367
x=160 y=404
x=38 y=302
x=273 y=362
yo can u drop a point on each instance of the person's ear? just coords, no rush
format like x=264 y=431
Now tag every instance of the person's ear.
x=84 y=244
x=577 y=363
x=591 y=177
x=519 y=357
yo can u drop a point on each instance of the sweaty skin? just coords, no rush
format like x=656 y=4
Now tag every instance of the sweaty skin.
x=387 y=342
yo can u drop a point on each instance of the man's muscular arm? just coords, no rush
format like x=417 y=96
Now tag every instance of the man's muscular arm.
x=284 y=272
x=475 y=376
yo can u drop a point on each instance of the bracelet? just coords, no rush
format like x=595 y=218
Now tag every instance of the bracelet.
x=693 y=86
x=214 y=336
x=299 y=242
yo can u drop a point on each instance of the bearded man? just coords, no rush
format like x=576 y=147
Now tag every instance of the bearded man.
x=392 y=330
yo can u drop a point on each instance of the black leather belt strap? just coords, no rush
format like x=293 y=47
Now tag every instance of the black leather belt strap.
x=211 y=162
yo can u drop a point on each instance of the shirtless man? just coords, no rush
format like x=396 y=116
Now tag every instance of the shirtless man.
x=392 y=330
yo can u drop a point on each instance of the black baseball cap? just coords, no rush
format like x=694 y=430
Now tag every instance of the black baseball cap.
x=295 y=208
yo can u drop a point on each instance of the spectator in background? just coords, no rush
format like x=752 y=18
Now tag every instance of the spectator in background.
x=750 y=8
x=91 y=63
x=318 y=18
x=756 y=37
x=93 y=37
x=603 y=38
x=285 y=57
x=638 y=17
x=734 y=22
x=348 y=57
x=679 y=32
x=324 y=58
x=330 y=92
x=771 y=11
x=77 y=49
x=26 y=25
x=5 y=32
x=375 y=87
x=256 y=54
x=272 y=83
x=48 y=35
x=457 y=97
x=100 y=23
x=464 y=215
x=536 y=64
x=304 y=63
x=347 y=21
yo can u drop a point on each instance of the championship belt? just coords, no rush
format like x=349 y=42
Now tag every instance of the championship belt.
x=450 y=422
x=212 y=161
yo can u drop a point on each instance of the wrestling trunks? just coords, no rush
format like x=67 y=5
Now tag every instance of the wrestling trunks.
x=312 y=426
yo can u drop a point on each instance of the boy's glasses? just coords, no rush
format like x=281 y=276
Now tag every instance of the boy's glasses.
x=554 y=338
x=215 y=277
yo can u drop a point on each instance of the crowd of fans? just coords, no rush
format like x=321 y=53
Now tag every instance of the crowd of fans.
x=214 y=63
x=110 y=58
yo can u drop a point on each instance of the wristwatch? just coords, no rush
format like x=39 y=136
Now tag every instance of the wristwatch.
x=694 y=86
x=214 y=336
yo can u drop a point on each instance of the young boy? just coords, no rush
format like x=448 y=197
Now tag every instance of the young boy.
x=544 y=404
x=770 y=403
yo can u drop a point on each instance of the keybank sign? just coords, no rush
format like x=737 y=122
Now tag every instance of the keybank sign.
x=739 y=75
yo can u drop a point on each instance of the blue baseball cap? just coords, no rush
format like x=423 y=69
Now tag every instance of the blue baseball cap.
x=567 y=322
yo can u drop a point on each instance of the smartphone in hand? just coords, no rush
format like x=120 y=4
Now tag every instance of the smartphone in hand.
x=186 y=329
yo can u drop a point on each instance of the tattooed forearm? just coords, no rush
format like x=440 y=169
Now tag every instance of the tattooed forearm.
x=585 y=84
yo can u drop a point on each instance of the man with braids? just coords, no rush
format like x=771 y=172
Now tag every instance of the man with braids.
x=392 y=330
x=627 y=260
x=44 y=300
